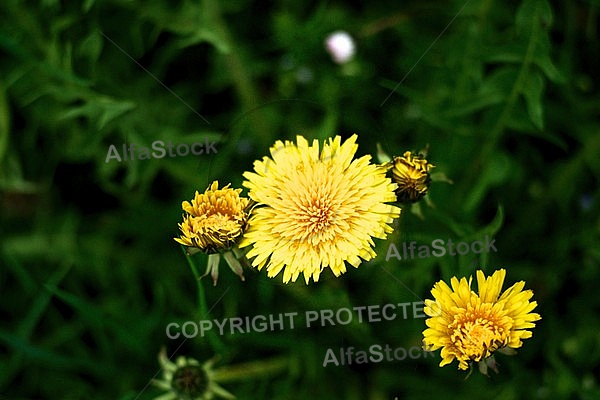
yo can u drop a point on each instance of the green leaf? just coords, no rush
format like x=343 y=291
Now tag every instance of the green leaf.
x=4 y=122
x=87 y=5
x=42 y=356
x=490 y=229
x=112 y=109
x=500 y=82
x=190 y=21
x=544 y=62
x=202 y=35
x=496 y=171
x=477 y=102
x=91 y=46
x=533 y=12
x=102 y=109
x=532 y=92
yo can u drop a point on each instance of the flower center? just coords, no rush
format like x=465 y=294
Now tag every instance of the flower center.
x=477 y=337
x=319 y=216
x=190 y=381
x=315 y=219
x=220 y=222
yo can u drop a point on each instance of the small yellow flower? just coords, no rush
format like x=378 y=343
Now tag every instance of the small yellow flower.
x=316 y=210
x=411 y=173
x=187 y=379
x=215 y=220
x=469 y=327
x=214 y=223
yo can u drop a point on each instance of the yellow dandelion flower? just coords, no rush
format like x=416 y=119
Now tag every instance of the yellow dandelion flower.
x=214 y=222
x=470 y=326
x=215 y=219
x=187 y=379
x=411 y=173
x=316 y=210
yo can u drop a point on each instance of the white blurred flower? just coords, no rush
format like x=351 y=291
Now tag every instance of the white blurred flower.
x=340 y=46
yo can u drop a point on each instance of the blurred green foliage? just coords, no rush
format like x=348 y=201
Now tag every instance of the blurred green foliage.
x=506 y=98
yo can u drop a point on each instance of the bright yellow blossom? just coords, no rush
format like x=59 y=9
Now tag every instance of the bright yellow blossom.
x=470 y=326
x=214 y=223
x=214 y=220
x=316 y=210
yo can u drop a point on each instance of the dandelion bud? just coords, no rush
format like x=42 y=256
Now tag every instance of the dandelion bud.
x=187 y=379
x=214 y=223
x=411 y=173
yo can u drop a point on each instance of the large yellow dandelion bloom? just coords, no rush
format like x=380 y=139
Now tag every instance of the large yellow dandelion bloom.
x=316 y=210
x=469 y=326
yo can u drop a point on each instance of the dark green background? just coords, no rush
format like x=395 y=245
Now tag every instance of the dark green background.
x=507 y=99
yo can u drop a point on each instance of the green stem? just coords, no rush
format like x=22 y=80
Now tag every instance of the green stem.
x=217 y=345
x=251 y=370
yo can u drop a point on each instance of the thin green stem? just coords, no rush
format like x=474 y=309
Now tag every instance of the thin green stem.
x=217 y=345
x=251 y=370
